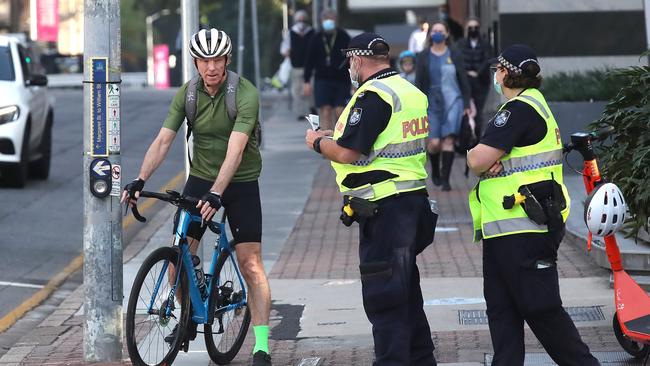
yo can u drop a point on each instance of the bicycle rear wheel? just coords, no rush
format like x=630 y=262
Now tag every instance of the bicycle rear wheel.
x=226 y=335
x=146 y=325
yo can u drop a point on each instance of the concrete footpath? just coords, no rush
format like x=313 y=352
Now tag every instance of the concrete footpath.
x=317 y=316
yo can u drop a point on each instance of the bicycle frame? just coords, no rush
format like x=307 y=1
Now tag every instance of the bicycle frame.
x=632 y=302
x=200 y=306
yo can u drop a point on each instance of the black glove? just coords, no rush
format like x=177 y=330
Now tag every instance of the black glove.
x=213 y=199
x=136 y=186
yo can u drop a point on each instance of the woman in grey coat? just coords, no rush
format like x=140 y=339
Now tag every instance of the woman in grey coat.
x=440 y=74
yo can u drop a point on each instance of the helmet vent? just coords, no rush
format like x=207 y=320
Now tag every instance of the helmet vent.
x=606 y=196
x=615 y=219
x=615 y=202
x=603 y=218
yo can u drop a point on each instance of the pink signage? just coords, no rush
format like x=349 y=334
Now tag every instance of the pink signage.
x=161 y=66
x=47 y=20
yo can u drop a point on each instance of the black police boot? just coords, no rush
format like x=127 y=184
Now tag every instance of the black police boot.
x=447 y=162
x=261 y=358
x=435 y=168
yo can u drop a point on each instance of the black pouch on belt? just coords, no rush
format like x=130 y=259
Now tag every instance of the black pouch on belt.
x=355 y=208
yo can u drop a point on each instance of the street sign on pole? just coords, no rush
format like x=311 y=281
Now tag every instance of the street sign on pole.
x=102 y=226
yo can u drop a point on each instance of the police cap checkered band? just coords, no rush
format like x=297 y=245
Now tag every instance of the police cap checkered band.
x=366 y=44
x=208 y=43
x=515 y=58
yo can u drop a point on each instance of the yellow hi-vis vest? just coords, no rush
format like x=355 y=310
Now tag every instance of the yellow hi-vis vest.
x=400 y=149
x=524 y=165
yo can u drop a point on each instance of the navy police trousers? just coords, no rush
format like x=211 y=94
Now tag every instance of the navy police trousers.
x=392 y=298
x=520 y=283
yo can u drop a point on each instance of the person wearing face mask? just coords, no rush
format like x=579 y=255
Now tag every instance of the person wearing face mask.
x=378 y=153
x=521 y=151
x=440 y=73
x=331 y=86
x=294 y=45
x=476 y=53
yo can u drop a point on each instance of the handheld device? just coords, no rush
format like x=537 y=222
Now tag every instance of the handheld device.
x=314 y=121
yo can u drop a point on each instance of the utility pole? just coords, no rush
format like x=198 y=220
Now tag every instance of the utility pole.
x=240 y=37
x=190 y=25
x=102 y=234
x=256 y=59
x=646 y=11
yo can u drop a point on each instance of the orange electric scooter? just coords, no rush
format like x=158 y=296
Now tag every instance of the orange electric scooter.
x=632 y=317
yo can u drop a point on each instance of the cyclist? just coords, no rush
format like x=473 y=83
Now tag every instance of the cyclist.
x=224 y=170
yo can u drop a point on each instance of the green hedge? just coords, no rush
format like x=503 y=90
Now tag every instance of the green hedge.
x=582 y=86
x=625 y=157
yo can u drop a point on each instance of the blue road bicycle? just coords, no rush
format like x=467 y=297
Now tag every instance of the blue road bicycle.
x=167 y=293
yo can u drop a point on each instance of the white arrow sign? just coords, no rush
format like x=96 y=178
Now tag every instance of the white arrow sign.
x=100 y=168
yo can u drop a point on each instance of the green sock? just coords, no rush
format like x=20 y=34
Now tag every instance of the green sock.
x=261 y=338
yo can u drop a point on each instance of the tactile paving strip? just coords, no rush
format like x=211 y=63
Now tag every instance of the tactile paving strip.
x=577 y=313
x=606 y=359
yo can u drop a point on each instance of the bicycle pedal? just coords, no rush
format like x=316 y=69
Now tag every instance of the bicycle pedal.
x=185 y=346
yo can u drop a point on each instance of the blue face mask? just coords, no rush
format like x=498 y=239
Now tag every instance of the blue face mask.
x=438 y=37
x=497 y=87
x=329 y=25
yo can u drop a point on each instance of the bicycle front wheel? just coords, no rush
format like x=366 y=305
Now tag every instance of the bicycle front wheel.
x=153 y=311
x=226 y=335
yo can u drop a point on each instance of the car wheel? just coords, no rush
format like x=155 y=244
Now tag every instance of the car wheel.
x=16 y=174
x=40 y=169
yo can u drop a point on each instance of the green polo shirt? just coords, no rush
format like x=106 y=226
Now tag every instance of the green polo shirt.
x=212 y=127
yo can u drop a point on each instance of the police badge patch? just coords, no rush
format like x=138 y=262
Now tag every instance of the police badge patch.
x=355 y=116
x=501 y=118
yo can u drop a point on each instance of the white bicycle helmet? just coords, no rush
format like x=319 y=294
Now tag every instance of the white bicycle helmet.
x=605 y=210
x=208 y=43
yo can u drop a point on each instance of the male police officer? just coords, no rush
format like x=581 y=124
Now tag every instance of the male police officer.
x=378 y=153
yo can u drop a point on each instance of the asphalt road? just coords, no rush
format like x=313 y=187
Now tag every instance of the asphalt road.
x=41 y=225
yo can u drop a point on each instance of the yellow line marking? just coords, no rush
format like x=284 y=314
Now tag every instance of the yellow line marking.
x=36 y=299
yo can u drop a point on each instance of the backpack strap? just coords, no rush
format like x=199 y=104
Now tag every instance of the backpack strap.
x=232 y=84
x=191 y=105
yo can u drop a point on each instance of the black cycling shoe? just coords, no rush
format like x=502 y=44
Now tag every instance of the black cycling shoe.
x=191 y=333
x=261 y=358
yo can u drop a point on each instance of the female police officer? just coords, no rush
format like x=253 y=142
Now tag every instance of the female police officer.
x=519 y=207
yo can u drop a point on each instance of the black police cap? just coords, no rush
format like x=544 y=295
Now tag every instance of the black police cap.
x=515 y=58
x=365 y=44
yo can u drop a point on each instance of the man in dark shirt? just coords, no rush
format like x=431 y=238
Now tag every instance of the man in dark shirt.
x=331 y=84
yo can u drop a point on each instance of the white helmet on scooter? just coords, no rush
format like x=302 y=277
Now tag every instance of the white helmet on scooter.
x=605 y=210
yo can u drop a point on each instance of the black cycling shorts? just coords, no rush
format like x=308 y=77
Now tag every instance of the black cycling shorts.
x=241 y=202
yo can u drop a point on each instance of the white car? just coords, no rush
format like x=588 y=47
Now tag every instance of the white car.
x=26 y=116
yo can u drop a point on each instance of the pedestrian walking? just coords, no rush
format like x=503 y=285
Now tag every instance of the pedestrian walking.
x=519 y=207
x=440 y=73
x=294 y=46
x=378 y=153
x=407 y=66
x=331 y=86
x=476 y=53
x=225 y=167
x=418 y=39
